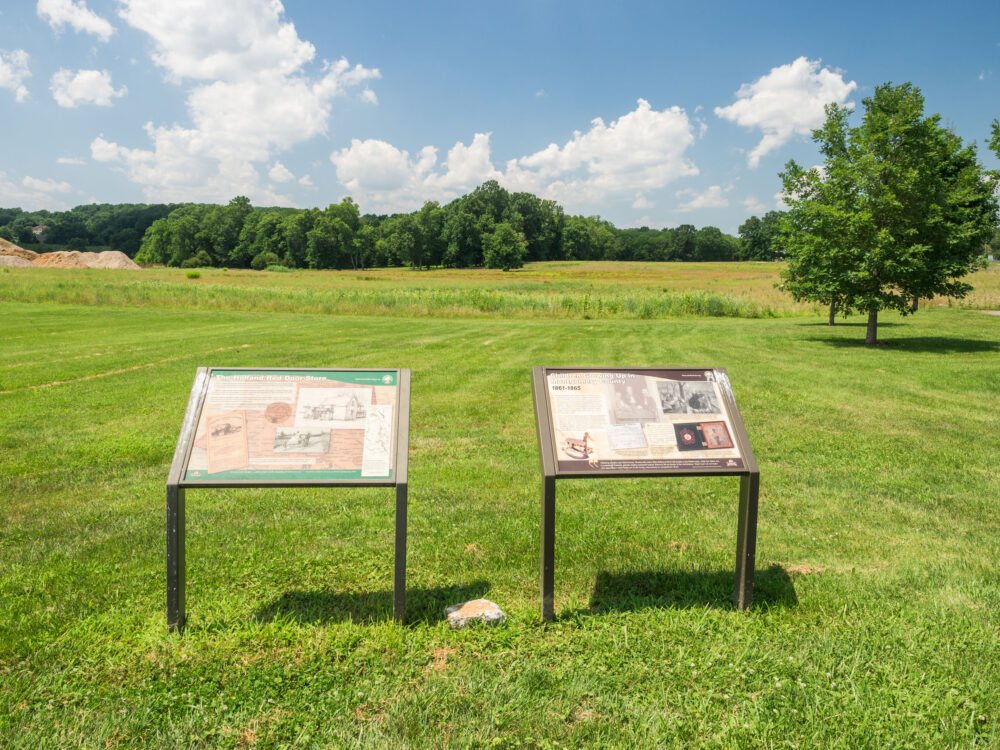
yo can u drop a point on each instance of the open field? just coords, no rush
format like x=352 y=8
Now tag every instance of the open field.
x=877 y=613
x=540 y=290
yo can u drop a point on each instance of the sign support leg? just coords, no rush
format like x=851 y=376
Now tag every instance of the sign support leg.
x=746 y=540
x=399 y=571
x=547 y=572
x=175 y=558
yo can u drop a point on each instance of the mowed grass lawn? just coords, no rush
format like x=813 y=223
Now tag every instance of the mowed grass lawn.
x=877 y=614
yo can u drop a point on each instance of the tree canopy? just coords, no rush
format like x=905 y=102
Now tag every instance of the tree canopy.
x=900 y=210
x=477 y=229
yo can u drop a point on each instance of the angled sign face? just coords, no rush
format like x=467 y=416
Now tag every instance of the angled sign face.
x=640 y=421
x=285 y=426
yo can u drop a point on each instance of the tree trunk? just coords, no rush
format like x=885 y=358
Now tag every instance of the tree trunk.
x=915 y=304
x=833 y=312
x=872 y=334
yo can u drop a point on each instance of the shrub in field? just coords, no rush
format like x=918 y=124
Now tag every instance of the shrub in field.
x=193 y=274
x=264 y=259
x=200 y=260
x=278 y=269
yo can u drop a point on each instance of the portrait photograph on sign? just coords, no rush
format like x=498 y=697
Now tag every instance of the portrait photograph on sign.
x=640 y=420
x=295 y=425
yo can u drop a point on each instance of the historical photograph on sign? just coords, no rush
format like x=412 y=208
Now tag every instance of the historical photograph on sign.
x=333 y=408
x=288 y=440
x=687 y=398
x=633 y=403
x=227 y=442
x=624 y=420
x=716 y=435
x=296 y=425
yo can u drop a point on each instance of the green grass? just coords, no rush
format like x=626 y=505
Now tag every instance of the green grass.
x=877 y=614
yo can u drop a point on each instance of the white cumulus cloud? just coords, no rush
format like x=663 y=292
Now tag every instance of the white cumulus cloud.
x=14 y=71
x=46 y=186
x=75 y=13
x=710 y=198
x=250 y=97
x=71 y=89
x=751 y=204
x=280 y=173
x=787 y=102
x=24 y=195
x=641 y=150
x=70 y=161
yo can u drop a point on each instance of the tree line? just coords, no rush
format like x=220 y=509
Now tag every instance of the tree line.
x=489 y=227
x=120 y=227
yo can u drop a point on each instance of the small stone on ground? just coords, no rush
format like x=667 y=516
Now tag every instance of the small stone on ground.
x=478 y=610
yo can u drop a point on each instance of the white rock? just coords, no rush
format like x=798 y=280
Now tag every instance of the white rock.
x=478 y=610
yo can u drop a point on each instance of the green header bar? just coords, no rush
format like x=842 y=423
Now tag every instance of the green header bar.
x=354 y=377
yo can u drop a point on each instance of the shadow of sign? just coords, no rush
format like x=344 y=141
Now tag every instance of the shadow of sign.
x=619 y=592
x=422 y=605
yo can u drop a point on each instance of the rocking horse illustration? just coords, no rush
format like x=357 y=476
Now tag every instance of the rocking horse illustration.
x=577 y=447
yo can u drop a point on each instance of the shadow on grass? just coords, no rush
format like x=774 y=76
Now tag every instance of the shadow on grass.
x=860 y=324
x=422 y=605
x=938 y=344
x=619 y=592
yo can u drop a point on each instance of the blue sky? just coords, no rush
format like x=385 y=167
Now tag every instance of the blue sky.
x=645 y=113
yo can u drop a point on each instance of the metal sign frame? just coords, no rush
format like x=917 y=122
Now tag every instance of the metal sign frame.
x=177 y=484
x=749 y=474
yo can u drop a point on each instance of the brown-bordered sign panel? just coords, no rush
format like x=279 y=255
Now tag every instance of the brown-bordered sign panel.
x=291 y=426
x=606 y=421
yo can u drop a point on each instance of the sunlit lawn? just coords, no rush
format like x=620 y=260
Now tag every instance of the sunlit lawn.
x=877 y=615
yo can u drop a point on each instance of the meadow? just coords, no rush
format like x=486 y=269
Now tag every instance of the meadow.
x=876 y=619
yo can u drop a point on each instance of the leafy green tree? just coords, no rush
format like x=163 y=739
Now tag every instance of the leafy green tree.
x=711 y=244
x=462 y=236
x=228 y=227
x=901 y=210
x=430 y=223
x=155 y=243
x=577 y=241
x=504 y=248
x=757 y=237
x=363 y=246
x=683 y=244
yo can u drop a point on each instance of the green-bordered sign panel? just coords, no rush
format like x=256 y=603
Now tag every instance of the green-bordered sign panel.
x=644 y=420
x=286 y=425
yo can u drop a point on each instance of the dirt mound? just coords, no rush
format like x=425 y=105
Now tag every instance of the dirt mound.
x=14 y=261
x=75 y=259
x=111 y=259
x=61 y=259
x=9 y=248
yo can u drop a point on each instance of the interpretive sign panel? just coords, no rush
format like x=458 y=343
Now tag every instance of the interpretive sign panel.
x=615 y=422
x=637 y=421
x=283 y=425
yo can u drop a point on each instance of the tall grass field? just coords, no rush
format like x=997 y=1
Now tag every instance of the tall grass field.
x=876 y=620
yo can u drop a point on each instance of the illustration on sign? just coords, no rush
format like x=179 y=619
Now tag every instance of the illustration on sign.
x=295 y=425
x=640 y=420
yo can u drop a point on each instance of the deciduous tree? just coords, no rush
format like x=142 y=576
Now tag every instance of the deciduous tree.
x=901 y=209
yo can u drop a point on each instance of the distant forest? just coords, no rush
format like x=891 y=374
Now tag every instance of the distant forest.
x=488 y=227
